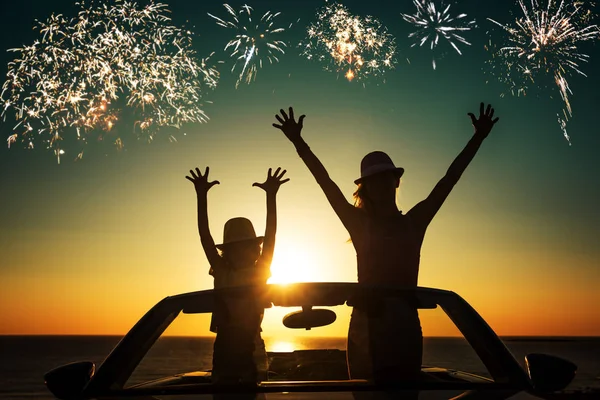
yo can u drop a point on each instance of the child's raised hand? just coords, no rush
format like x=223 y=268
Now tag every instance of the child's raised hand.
x=273 y=182
x=200 y=181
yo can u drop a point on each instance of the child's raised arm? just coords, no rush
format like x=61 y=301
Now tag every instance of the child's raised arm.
x=202 y=186
x=271 y=186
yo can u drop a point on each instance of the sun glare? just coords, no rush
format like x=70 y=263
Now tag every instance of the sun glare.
x=293 y=263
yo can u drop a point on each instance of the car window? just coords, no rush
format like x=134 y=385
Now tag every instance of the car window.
x=444 y=345
x=184 y=347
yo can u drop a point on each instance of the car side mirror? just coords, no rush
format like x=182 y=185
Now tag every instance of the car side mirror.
x=68 y=381
x=549 y=373
x=309 y=318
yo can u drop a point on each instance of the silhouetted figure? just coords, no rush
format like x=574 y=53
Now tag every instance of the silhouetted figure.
x=239 y=350
x=385 y=341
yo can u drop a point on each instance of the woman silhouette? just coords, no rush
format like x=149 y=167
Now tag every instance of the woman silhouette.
x=385 y=342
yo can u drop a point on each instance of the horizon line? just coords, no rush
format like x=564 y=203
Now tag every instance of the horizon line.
x=270 y=337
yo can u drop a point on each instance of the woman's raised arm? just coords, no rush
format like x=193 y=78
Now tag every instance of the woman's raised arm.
x=292 y=129
x=424 y=211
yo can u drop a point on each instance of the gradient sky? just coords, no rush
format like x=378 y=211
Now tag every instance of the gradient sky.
x=87 y=247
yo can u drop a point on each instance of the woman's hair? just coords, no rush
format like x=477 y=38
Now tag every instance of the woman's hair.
x=361 y=198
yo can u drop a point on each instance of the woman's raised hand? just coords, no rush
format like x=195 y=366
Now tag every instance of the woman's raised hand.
x=288 y=125
x=485 y=123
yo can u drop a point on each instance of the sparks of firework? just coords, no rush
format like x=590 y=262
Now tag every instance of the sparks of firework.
x=87 y=71
x=542 y=45
x=434 y=21
x=562 y=122
x=255 y=42
x=347 y=44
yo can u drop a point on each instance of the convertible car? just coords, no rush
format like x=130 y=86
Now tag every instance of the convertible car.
x=544 y=377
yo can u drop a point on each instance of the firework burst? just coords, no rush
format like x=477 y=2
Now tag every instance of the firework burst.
x=435 y=23
x=541 y=49
x=113 y=62
x=347 y=44
x=255 y=41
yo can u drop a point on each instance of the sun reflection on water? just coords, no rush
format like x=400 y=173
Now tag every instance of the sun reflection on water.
x=281 y=347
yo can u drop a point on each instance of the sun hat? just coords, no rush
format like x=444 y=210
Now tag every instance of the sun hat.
x=377 y=162
x=238 y=229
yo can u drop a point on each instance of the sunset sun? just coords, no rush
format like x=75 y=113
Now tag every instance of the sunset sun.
x=294 y=263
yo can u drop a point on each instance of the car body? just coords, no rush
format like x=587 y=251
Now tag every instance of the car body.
x=544 y=377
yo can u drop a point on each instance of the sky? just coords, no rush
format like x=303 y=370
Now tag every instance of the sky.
x=89 y=246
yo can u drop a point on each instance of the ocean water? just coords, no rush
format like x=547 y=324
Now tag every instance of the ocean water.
x=25 y=359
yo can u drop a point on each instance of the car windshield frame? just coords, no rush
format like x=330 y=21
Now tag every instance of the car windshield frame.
x=112 y=375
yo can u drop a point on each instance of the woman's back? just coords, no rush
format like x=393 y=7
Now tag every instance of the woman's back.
x=388 y=250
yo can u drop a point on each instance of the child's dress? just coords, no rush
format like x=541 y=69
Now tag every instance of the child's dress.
x=239 y=350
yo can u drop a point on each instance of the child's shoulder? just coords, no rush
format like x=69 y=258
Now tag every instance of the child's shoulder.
x=218 y=266
x=263 y=262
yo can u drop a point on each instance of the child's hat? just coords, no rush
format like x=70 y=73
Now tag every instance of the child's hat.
x=238 y=230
